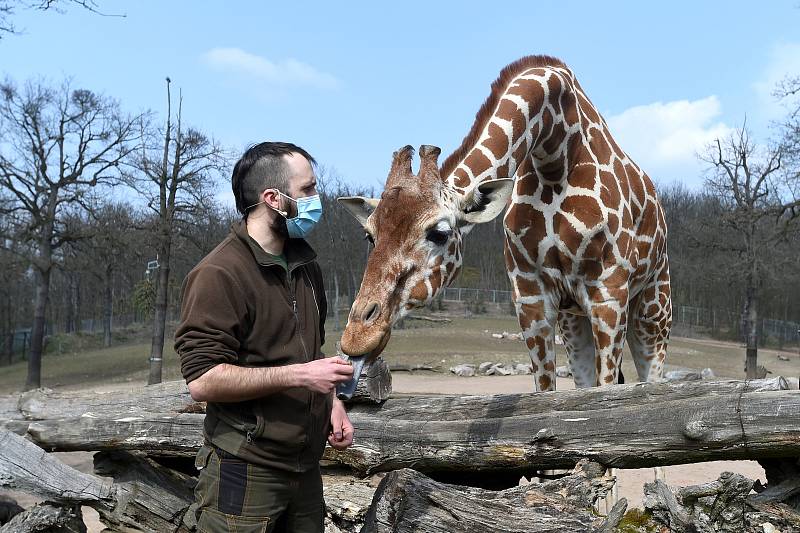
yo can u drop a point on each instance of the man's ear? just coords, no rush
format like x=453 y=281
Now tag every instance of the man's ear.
x=485 y=201
x=358 y=206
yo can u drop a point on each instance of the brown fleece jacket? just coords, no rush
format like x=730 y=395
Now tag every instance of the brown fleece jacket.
x=241 y=307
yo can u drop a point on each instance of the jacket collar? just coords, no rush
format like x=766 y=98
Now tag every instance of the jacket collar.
x=297 y=251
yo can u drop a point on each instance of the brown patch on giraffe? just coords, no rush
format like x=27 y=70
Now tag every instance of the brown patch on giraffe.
x=552 y=259
x=477 y=162
x=618 y=276
x=528 y=287
x=515 y=258
x=552 y=172
x=550 y=366
x=624 y=244
x=591 y=268
x=461 y=178
x=566 y=232
x=609 y=379
x=502 y=170
x=545 y=383
x=583 y=177
x=547 y=194
x=613 y=223
x=568 y=105
x=584 y=208
x=636 y=181
x=600 y=147
x=530 y=313
x=524 y=168
x=606 y=314
x=451 y=250
x=499 y=87
x=419 y=291
x=587 y=108
x=509 y=111
x=609 y=194
x=547 y=126
x=497 y=142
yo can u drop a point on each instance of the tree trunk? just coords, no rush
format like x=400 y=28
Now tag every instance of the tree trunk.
x=160 y=314
x=336 y=301
x=407 y=501
x=108 y=305
x=751 y=359
x=34 y=378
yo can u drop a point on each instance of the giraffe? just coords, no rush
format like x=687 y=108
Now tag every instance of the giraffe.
x=585 y=234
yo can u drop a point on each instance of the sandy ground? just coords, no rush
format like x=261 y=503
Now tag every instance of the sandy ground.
x=630 y=482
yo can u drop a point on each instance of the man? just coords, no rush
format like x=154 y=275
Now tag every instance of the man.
x=252 y=323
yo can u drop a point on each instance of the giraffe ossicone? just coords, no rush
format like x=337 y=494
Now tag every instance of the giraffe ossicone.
x=585 y=234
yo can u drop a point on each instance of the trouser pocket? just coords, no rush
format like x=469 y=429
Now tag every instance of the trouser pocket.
x=213 y=521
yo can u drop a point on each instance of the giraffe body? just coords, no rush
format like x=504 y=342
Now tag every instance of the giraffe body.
x=585 y=235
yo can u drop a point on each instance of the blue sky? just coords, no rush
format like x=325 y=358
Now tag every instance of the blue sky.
x=352 y=84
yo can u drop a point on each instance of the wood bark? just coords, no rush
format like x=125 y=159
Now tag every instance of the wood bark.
x=626 y=426
x=374 y=386
x=47 y=518
x=144 y=495
x=408 y=501
x=724 y=505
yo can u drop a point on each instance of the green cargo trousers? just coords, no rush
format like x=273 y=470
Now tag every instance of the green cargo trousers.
x=238 y=497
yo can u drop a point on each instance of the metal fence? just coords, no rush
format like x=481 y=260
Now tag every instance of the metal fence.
x=456 y=294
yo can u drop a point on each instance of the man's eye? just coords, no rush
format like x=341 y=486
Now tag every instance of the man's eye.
x=437 y=237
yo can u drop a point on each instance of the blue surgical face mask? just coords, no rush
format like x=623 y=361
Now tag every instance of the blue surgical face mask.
x=309 y=211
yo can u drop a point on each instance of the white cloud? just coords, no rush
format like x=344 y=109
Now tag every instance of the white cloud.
x=664 y=138
x=285 y=73
x=784 y=60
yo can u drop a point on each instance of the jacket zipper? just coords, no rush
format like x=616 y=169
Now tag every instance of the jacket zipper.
x=309 y=430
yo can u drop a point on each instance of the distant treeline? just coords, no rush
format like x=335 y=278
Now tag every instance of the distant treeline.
x=703 y=262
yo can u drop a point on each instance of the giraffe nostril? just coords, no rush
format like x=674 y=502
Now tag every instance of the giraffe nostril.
x=371 y=313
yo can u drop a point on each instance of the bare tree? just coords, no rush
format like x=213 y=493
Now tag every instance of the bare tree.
x=58 y=146
x=7 y=10
x=747 y=183
x=175 y=170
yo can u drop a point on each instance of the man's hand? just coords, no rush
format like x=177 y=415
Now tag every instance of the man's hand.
x=322 y=375
x=341 y=436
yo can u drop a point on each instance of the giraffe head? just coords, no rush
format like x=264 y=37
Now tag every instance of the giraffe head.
x=417 y=227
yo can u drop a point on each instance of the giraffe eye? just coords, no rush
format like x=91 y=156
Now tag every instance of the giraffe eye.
x=368 y=237
x=438 y=237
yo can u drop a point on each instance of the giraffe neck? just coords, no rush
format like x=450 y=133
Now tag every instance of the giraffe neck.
x=533 y=127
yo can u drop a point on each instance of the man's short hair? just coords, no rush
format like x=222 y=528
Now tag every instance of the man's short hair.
x=262 y=167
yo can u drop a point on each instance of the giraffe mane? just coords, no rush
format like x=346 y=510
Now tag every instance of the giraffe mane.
x=499 y=85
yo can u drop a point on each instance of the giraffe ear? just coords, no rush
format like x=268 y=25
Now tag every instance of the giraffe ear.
x=486 y=201
x=358 y=206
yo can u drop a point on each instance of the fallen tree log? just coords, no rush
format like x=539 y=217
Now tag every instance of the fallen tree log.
x=627 y=426
x=630 y=426
x=143 y=495
x=407 y=501
x=46 y=517
x=721 y=505
x=374 y=386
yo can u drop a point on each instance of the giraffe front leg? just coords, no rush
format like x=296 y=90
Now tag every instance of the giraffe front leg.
x=609 y=323
x=539 y=333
